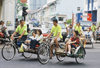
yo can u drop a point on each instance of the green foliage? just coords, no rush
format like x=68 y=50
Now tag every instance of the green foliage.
x=69 y=21
x=19 y=6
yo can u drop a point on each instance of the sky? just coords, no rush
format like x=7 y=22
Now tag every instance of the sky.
x=69 y=6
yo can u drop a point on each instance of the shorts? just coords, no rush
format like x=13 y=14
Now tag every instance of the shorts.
x=52 y=42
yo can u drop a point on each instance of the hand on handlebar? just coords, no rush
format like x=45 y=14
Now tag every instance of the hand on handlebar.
x=12 y=38
x=19 y=37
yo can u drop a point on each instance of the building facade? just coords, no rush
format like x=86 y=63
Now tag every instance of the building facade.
x=92 y=10
x=36 y=4
x=7 y=13
x=58 y=8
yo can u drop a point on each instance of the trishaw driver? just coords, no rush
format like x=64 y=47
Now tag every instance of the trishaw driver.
x=56 y=31
x=21 y=30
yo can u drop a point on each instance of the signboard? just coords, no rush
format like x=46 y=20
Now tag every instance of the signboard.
x=8 y=23
x=89 y=18
x=79 y=17
x=23 y=1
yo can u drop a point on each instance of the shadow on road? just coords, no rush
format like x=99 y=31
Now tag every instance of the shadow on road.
x=68 y=63
x=71 y=63
x=89 y=48
x=30 y=60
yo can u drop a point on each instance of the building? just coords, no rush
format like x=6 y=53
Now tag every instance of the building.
x=48 y=1
x=58 y=8
x=0 y=8
x=92 y=10
x=7 y=12
x=36 y=4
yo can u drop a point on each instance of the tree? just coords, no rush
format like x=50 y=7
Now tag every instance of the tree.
x=69 y=21
x=19 y=7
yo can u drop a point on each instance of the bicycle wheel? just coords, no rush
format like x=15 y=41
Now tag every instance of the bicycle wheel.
x=27 y=55
x=60 y=58
x=8 y=52
x=43 y=54
x=81 y=55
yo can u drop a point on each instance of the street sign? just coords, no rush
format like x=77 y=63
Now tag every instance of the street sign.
x=23 y=1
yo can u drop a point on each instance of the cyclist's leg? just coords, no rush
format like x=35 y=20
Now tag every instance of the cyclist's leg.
x=56 y=41
x=84 y=42
x=51 y=52
x=93 y=35
x=51 y=48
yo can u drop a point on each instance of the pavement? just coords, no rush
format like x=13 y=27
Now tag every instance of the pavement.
x=1 y=46
x=92 y=60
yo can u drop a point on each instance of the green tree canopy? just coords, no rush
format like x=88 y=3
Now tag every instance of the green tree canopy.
x=69 y=21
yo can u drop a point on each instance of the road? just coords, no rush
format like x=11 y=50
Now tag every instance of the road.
x=92 y=60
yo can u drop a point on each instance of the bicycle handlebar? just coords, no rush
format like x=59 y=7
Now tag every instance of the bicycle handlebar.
x=16 y=37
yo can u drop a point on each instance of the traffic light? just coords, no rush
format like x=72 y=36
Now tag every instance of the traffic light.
x=24 y=13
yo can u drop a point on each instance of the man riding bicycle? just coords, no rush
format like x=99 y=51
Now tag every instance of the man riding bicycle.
x=56 y=31
x=21 y=30
x=80 y=31
x=93 y=28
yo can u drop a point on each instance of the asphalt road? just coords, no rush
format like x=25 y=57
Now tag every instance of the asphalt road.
x=92 y=60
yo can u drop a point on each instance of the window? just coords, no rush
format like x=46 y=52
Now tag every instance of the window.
x=61 y=18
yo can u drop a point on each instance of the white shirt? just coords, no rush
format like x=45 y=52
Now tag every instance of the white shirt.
x=38 y=38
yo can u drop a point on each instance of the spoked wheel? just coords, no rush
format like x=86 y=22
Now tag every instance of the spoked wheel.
x=27 y=55
x=60 y=58
x=8 y=52
x=79 y=60
x=43 y=54
x=81 y=55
